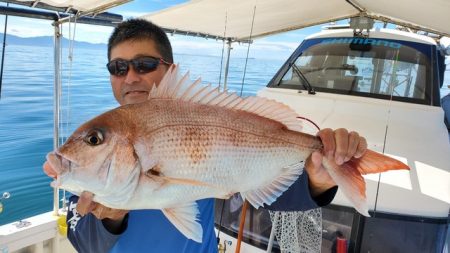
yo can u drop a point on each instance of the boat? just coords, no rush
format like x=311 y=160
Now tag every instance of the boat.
x=383 y=83
x=376 y=84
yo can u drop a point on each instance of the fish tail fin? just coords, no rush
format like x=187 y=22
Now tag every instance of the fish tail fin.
x=373 y=162
x=348 y=176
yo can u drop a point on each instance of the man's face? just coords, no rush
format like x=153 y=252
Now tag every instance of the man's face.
x=134 y=87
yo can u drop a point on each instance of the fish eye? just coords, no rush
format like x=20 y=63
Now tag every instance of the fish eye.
x=94 y=138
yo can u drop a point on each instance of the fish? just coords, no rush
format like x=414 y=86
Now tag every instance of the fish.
x=191 y=141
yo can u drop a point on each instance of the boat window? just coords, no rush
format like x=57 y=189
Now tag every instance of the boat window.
x=341 y=226
x=257 y=228
x=381 y=68
x=403 y=234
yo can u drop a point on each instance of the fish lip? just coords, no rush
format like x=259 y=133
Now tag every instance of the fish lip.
x=60 y=164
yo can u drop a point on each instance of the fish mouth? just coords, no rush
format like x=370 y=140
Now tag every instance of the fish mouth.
x=57 y=165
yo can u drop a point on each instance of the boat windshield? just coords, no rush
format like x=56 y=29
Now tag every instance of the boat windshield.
x=378 y=68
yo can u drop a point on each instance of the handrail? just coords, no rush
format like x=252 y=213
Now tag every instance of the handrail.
x=34 y=234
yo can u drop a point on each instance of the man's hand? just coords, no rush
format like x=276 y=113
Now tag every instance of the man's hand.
x=111 y=218
x=87 y=205
x=339 y=145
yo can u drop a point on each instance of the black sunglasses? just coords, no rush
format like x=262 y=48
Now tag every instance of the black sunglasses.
x=141 y=65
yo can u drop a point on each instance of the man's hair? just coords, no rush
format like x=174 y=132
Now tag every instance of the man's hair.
x=140 y=29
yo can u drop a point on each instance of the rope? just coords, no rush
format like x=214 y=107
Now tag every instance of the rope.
x=241 y=226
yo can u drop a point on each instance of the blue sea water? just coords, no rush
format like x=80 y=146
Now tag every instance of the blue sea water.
x=26 y=111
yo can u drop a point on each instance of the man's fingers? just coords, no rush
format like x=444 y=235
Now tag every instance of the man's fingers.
x=327 y=137
x=316 y=159
x=341 y=139
x=362 y=147
x=85 y=208
x=98 y=211
x=102 y=212
x=353 y=141
x=314 y=162
x=85 y=203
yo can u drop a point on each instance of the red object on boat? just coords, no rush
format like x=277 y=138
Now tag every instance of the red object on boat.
x=341 y=245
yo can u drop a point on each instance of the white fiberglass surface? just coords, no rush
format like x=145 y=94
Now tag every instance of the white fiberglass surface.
x=410 y=133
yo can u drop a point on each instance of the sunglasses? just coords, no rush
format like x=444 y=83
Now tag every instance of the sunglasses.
x=141 y=65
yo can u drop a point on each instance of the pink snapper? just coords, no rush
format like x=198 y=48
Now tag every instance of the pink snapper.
x=190 y=142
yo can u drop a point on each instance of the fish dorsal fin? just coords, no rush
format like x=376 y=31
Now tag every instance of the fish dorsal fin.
x=172 y=86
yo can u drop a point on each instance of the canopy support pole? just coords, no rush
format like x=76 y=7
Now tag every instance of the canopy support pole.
x=56 y=103
x=227 y=65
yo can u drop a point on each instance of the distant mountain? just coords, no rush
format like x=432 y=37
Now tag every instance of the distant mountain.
x=47 y=41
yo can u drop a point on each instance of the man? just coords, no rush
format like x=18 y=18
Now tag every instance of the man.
x=445 y=102
x=139 y=54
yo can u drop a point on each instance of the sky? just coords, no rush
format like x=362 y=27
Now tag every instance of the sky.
x=272 y=47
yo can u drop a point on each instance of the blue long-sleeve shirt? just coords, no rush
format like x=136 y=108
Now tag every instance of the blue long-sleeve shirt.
x=150 y=231
x=446 y=106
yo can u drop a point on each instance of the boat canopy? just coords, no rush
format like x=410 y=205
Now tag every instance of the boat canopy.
x=233 y=19
x=61 y=11
x=92 y=6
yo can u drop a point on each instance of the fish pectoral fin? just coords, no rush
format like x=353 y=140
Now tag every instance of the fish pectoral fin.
x=184 y=218
x=269 y=193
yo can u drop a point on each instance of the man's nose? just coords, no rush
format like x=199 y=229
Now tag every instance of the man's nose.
x=132 y=76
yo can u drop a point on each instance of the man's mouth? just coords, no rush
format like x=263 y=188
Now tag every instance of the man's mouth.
x=136 y=92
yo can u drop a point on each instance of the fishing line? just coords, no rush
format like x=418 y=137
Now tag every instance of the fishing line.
x=391 y=86
x=64 y=122
x=310 y=121
x=223 y=48
x=59 y=95
x=248 y=49
x=3 y=52
x=220 y=79
x=70 y=57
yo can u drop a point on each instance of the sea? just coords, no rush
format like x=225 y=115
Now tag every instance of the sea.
x=26 y=110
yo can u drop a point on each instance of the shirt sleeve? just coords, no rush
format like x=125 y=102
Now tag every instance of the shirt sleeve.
x=298 y=197
x=87 y=234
